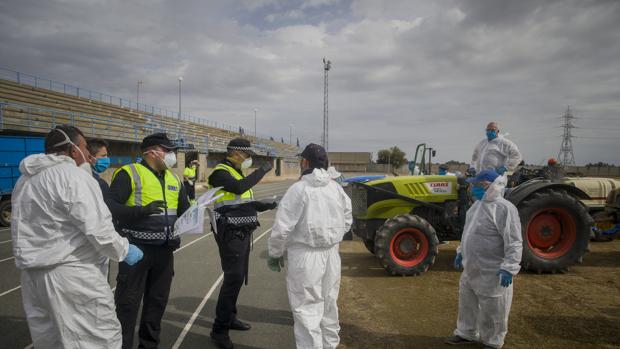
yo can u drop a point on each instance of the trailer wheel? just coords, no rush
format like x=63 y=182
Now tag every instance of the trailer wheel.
x=406 y=245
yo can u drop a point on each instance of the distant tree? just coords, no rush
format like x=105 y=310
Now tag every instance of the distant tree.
x=455 y=162
x=282 y=139
x=393 y=155
x=271 y=139
x=600 y=164
x=297 y=142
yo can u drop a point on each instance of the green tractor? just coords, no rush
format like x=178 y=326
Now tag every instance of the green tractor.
x=403 y=219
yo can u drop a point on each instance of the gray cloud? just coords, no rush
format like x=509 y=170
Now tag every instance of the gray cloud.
x=404 y=72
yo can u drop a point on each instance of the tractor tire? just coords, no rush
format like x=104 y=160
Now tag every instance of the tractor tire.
x=5 y=213
x=406 y=245
x=370 y=245
x=556 y=231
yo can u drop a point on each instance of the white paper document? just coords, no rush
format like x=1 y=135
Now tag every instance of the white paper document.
x=192 y=221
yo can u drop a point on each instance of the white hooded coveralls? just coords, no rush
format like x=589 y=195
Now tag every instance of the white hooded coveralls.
x=495 y=154
x=312 y=217
x=62 y=238
x=491 y=241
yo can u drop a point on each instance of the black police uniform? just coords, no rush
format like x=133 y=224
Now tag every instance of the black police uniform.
x=151 y=278
x=235 y=225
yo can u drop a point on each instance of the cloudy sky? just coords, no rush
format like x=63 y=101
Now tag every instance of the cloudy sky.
x=403 y=72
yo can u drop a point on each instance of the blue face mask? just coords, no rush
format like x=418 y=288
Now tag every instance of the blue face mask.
x=478 y=192
x=491 y=135
x=101 y=165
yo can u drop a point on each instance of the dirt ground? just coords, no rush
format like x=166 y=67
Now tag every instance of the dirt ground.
x=579 y=309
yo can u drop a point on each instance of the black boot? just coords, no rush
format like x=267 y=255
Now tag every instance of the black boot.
x=222 y=340
x=240 y=325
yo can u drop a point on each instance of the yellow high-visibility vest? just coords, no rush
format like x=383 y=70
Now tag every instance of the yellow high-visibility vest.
x=231 y=198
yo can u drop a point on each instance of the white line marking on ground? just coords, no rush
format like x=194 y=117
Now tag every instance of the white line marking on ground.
x=202 y=304
x=6 y=259
x=4 y=242
x=9 y=291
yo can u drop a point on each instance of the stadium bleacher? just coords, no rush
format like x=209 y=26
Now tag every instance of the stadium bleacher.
x=33 y=109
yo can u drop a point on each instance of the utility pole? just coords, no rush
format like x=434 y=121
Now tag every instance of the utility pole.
x=290 y=135
x=180 y=79
x=566 y=156
x=255 y=110
x=140 y=82
x=326 y=67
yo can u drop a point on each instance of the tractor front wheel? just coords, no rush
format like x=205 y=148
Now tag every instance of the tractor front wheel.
x=406 y=245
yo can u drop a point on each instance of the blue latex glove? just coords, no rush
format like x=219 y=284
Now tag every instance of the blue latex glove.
x=134 y=255
x=458 y=262
x=275 y=264
x=504 y=277
x=501 y=170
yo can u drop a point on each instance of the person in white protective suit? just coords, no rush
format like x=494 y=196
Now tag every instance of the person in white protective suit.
x=495 y=152
x=489 y=255
x=62 y=237
x=312 y=218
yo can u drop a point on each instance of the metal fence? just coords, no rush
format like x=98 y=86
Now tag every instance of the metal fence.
x=35 y=81
x=41 y=120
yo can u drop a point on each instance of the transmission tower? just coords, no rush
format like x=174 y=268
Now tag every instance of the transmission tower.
x=566 y=156
x=325 y=139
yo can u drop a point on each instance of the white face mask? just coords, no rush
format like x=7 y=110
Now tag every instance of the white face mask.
x=246 y=163
x=169 y=160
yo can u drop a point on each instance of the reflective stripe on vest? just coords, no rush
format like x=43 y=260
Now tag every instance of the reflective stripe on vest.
x=146 y=188
x=229 y=198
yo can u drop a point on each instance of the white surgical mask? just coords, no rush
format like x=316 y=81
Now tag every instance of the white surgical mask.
x=86 y=167
x=246 y=163
x=170 y=159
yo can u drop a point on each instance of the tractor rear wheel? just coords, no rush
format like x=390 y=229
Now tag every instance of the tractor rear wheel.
x=406 y=245
x=556 y=231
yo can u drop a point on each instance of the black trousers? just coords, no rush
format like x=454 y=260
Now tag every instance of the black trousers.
x=150 y=278
x=191 y=190
x=234 y=255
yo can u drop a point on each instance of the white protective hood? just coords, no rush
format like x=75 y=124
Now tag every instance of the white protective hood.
x=314 y=212
x=59 y=215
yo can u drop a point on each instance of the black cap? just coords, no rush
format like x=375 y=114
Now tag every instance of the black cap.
x=241 y=144
x=315 y=153
x=160 y=139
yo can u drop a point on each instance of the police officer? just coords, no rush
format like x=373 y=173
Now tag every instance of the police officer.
x=236 y=220
x=190 y=174
x=146 y=199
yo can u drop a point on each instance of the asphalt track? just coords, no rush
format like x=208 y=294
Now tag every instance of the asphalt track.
x=191 y=307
